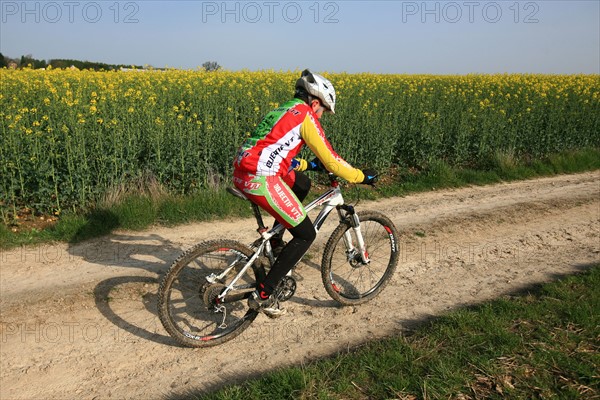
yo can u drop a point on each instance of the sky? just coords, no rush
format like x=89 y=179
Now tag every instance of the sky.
x=405 y=37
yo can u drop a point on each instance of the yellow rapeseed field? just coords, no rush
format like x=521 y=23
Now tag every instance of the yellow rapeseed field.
x=69 y=135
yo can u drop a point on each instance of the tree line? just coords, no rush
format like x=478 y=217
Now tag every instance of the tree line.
x=27 y=61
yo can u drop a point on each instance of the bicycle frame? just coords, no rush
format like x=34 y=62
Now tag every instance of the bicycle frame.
x=330 y=200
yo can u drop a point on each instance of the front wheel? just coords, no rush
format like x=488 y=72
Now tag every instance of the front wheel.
x=346 y=277
x=188 y=297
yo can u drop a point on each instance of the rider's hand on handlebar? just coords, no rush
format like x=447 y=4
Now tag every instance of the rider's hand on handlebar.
x=370 y=177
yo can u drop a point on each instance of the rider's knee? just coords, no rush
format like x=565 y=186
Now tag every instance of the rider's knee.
x=304 y=231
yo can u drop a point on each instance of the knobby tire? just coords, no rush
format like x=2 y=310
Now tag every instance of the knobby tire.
x=350 y=282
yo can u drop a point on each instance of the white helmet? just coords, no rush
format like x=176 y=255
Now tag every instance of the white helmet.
x=319 y=87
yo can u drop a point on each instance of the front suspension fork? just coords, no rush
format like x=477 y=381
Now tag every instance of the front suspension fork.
x=359 y=251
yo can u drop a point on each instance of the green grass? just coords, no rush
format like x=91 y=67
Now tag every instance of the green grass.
x=133 y=213
x=137 y=212
x=542 y=343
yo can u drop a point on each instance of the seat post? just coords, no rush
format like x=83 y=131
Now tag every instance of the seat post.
x=237 y=193
x=261 y=225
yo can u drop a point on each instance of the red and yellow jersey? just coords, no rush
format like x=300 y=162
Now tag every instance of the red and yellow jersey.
x=278 y=139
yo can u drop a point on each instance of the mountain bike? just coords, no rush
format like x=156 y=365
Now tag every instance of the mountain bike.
x=202 y=298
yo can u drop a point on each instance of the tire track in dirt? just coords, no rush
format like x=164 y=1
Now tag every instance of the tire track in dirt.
x=80 y=320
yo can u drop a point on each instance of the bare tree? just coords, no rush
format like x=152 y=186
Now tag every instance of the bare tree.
x=211 y=66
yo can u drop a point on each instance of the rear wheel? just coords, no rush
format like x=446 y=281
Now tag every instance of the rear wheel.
x=188 y=297
x=346 y=277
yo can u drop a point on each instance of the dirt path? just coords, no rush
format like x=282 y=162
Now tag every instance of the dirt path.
x=79 y=321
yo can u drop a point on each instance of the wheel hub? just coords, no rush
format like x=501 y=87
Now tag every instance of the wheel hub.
x=210 y=294
x=356 y=260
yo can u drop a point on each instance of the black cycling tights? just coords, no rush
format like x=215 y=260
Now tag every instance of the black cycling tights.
x=304 y=234
x=301 y=186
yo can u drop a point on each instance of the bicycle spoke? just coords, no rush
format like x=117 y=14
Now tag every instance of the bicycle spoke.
x=346 y=278
x=189 y=304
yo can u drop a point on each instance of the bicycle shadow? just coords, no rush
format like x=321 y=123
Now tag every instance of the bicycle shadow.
x=129 y=300
x=138 y=321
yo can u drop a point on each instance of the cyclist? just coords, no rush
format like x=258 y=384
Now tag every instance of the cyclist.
x=268 y=173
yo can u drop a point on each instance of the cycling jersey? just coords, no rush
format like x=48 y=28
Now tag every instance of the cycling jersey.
x=265 y=166
x=280 y=137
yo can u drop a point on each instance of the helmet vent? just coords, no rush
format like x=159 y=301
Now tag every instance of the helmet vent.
x=317 y=86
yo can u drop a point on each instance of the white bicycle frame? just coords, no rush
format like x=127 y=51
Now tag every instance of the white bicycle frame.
x=329 y=200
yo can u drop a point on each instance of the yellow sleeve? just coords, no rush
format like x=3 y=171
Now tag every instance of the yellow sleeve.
x=314 y=137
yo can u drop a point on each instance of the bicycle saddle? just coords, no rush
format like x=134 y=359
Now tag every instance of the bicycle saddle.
x=236 y=192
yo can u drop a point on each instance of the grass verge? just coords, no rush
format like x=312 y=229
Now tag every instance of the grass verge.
x=542 y=343
x=136 y=212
